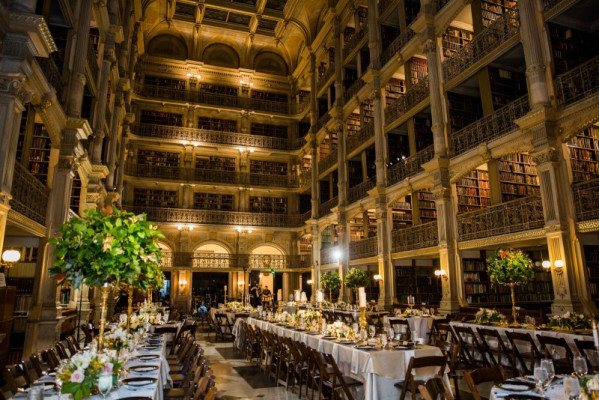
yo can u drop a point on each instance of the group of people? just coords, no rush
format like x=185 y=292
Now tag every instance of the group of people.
x=260 y=296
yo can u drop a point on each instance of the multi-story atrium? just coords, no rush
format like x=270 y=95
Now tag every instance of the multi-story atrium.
x=274 y=141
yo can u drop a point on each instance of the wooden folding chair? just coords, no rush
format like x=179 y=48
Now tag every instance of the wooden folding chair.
x=552 y=346
x=409 y=383
x=435 y=389
x=519 y=340
x=476 y=377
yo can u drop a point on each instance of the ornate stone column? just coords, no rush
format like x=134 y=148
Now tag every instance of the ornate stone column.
x=78 y=80
x=117 y=120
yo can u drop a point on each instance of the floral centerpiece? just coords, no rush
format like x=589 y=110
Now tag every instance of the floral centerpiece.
x=80 y=373
x=330 y=281
x=510 y=268
x=340 y=330
x=233 y=305
x=487 y=316
x=118 y=340
x=570 y=321
x=411 y=312
x=308 y=316
x=137 y=323
x=284 y=317
x=590 y=384
x=356 y=278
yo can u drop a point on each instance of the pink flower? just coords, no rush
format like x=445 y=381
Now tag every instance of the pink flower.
x=107 y=367
x=77 y=376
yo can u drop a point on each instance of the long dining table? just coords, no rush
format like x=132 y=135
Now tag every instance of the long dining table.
x=377 y=369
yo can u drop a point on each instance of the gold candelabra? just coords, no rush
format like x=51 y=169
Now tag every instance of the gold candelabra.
x=363 y=317
x=105 y=290
x=280 y=308
x=319 y=315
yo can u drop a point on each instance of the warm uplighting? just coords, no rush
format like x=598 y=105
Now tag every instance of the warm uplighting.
x=377 y=277
x=546 y=264
x=193 y=76
x=241 y=283
x=559 y=263
x=243 y=230
x=182 y=282
x=310 y=282
x=336 y=254
x=11 y=256
x=440 y=272
x=246 y=83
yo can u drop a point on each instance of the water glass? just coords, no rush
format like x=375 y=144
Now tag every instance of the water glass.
x=580 y=366
x=548 y=365
x=372 y=330
x=541 y=378
x=105 y=383
x=571 y=387
x=391 y=334
x=384 y=340
x=414 y=336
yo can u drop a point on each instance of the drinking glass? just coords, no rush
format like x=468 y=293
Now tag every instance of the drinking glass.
x=414 y=336
x=384 y=340
x=541 y=378
x=391 y=334
x=105 y=383
x=580 y=366
x=571 y=387
x=548 y=365
x=372 y=331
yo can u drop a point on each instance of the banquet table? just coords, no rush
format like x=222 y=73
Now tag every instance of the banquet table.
x=421 y=325
x=378 y=369
x=555 y=391
x=151 y=391
x=231 y=315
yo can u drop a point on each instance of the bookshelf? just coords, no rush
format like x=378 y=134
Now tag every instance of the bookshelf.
x=348 y=34
x=39 y=154
x=213 y=201
x=367 y=110
x=76 y=194
x=269 y=96
x=219 y=89
x=217 y=124
x=480 y=292
x=493 y=9
x=506 y=86
x=158 y=158
x=418 y=69
x=423 y=133
x=305 y=244
x=394 y=89
x=276 y=131
x=584 y=154
x=591 y=257
x=463 y=110
x=215 y=163
x=388 y=35
x=518 y=177
x=362 y=13
x=399 y=147
x=155 y=198
x=269 y=205
x=428 y=209
x=177 y=84
x=353 y=124
x=160 y=118
x=328 y=145
x=473 y=191
x=22 y=147
x=570 y=47
x=356 y=226
x=419 y=282
x=354 y=173
x=412 y=8
x=268 y=167
x=402 y=213
x=454 y=39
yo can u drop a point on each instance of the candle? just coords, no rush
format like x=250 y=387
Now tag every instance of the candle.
x=280 y=295
x=319 y=296
x=225 y=288
x=361 y=290
x=362 y=296
x=297 y=295
x=595 y=335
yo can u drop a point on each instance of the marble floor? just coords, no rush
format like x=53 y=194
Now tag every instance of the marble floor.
x=236 y=378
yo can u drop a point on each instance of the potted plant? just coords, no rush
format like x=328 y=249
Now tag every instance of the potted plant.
x=330 y=281
x=356 y=278
x=510 y=268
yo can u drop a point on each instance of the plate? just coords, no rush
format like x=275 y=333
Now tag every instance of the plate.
x=147 y=357
x=516 y=386
x=347 y=341
x=366 y=347
x=151 y=348
x=143 y=368
x=136 y=382
x=329 y=337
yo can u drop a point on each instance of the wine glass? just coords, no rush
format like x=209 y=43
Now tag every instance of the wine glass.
x=571 y=387
x=384 y=340
x=580 y=366
x=548 y=365
x=105 y=383
x=541 y=378
x=391 y=334
x=372 y=331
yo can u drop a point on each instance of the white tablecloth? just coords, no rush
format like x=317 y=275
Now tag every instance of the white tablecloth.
x=378 y=370
x=421 y=325
x=555 y=391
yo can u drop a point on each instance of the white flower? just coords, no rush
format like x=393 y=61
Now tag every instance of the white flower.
x=593 y=383
x=107 y=243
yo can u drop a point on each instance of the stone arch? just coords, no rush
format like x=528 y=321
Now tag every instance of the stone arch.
x=167 y=253
x=267 y=255
x=169 y=46
x=213 y=245
x=221 y=55
x=270 y=63
x=211 y=254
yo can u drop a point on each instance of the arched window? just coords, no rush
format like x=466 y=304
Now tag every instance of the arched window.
x=168 y=46
x=221 y=55
x=270 y=63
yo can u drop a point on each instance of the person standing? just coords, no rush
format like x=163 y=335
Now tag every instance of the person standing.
x=266 y=297
x=254 y=295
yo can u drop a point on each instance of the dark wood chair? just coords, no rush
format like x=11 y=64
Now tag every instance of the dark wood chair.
x=526 y=358
x=51 y=358
x=559 y=351
x=400 y=325
x=331 y=376
x=496 y=350
x=16 y=377
x=587 y=349
x=409 y=383
x=435 y=389
x=472 y=352
x=481 y=375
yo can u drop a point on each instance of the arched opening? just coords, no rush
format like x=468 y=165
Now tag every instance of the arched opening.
x=211 y=255
x=168 y=46
x=266 y=259
x=270 y=63
x=221 y=55
x=208 y=286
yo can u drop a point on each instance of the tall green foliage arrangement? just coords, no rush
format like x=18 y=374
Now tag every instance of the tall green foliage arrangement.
x=330 y=281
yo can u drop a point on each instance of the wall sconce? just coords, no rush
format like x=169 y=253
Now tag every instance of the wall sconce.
x=246 y=83
x=243 y=230
x=336 y=253
x=249 y=149
x=9 y=257
x=546 y=264
x=377 y=277
x=441 y=273
x=193 y=77
x=182 y=282
x=310 y=282
x=186 y=227
x=241 y=283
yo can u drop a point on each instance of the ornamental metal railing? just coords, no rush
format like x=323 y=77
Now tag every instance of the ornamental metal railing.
x=408 y=100
x=354 y=41
x=360 y=191
x=322 y=121
x=502 y=29
x=328 y=161
x=366 y=132
x=396 y=45
x=52 y=74
x=578 y=83
x=353 y=90
x=234 y=261
x=215 y=137
x=326 y=76
x=305 y=177
x=491 y=127
x=325 y=208
x=213 y=217
x=211 y=176
x=586 y=200
x=416 y=237
x=328 y=256
x=363 y=248
x=29 y=195
x=409 y=166
x=510 y=217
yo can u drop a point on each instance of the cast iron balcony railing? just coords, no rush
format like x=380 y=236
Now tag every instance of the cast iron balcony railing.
x=92 y=60
x=363 y=248
x=234 y=261
x=510 y=217
x=501 y=30
x=212 y=176
x=328 y=161
x=366 y=132
x=52 y=74
x=353 y=90
x=409 y=166
x=408 y=100
x=491 y=127
x=215 y=99
x=213 y=217
x=29 y=196
x=396 y=45
x=354 y=41
x=416 y=237
x=586 y=200
x=360 y=191
x=215 y=137
x=322 y=121
x=326 y=76
x=327 y=256
x=578 y=83
x=325 y=208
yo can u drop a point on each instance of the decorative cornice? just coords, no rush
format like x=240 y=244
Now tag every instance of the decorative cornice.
x=495 y=240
